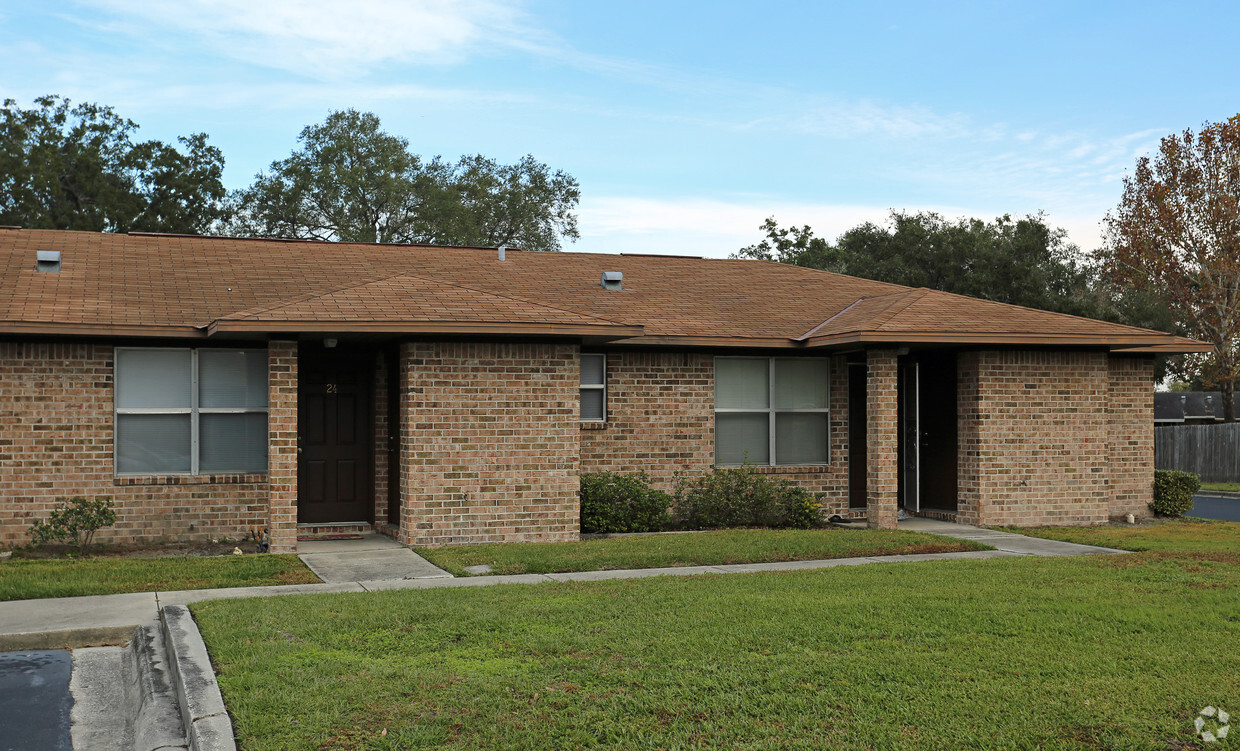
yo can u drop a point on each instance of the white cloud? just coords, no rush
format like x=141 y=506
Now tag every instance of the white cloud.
x=718 y=228
x=326 y=39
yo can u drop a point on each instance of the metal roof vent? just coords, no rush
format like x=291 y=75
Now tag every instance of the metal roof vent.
x=613 y=280
x=48 y=260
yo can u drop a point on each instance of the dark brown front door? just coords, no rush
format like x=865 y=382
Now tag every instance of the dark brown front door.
x=334 y=469
x=858 y=460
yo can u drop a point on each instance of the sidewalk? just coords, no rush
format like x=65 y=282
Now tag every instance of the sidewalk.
x=111 y=619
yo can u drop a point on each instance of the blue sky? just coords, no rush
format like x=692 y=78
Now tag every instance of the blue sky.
x=686 y=123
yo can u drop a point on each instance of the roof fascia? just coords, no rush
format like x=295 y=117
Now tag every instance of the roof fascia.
x=101 y=329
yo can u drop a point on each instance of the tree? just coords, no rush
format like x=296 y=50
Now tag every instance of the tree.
x=353 y=182
x=1021 y=262
x=1176 y=236
x=78 y=167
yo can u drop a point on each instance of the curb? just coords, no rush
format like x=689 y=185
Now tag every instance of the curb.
x=207 y=725
x=148 y=694
x=72 y=638
x=1219 y=493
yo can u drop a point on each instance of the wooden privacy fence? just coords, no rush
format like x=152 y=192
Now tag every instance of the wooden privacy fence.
x=1212 y=451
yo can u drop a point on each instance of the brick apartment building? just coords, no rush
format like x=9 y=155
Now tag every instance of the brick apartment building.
x=454 y=395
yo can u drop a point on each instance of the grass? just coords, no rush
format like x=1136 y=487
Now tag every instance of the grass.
x=1231 y=487
x=1088 y=652
x=1171 y=536
x=689 y=549
x=33 y=579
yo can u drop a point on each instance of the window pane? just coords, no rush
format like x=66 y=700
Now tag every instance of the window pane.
x=592 y=404
x=152 y=443
x=801 y=438
x=741 y=383
x=801 y=384
x=741 y=438
x=592 y=370
x=153 y=378
x=232 y=443
x=231 y=378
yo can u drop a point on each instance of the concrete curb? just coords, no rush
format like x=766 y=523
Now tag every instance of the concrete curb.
x=207 y=725
x=1219 y=494
x=149 y=694
x=71 y=638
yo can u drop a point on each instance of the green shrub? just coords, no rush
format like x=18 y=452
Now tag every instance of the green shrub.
x=741 y=497
x=1173 y=491
x=612 y=502
x=75 y=521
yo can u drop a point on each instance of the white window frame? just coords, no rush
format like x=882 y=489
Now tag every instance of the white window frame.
x=593 y=387
x=772 y=410
x=193 y=411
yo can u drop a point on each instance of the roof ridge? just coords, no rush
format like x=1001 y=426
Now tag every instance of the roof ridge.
x=885 y=317
x=248 y=312
x=850 y=306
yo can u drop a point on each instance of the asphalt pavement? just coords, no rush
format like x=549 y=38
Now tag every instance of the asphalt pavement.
x=1208 y=506
x=35 y=701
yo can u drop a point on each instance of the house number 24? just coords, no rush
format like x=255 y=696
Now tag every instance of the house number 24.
x=333 y=388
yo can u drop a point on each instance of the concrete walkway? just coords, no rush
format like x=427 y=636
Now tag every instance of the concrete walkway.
x=384 y=565
x=372 y=557
x=1008 y=542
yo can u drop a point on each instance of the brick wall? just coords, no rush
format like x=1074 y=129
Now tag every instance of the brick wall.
x=1034 y=443
x=661 y=419
x=282 y=446
x=881 y=434
x=1130 y=434
x=492 y=442
x=56 y=442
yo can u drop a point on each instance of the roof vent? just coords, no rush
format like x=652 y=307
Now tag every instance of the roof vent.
x=613 y=280
x=48 y=260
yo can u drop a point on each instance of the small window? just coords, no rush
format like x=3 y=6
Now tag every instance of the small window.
x=594 y=388
x=188 y=411
x=771 y=410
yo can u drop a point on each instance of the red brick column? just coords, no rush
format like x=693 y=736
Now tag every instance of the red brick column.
x=282 y=446
x=882 y=466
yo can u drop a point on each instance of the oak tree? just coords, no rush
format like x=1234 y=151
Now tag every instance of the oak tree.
x=1176 y=237
x=79 y=168
x=351 y=181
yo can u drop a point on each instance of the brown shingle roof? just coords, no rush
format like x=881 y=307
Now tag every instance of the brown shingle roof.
x=180 y=285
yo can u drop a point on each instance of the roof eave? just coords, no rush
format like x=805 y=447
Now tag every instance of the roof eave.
x=101 y=329
x=1127 y=344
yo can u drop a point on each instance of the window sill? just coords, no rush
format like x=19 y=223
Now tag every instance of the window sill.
x=220 y=479
x=783 y=469
x=593 y=425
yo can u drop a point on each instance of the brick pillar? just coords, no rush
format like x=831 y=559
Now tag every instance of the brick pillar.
x=882 y=466
x=282 y=446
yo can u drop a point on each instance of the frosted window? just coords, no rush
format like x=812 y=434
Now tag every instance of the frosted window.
x=228 y=378
x=742 y=438
x=742 y=383
x=800 y=384
x=153 y=443
x=800 y=438
x=232 y=442
x=153 y=379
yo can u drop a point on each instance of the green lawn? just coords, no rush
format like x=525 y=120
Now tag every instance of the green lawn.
x=690 y=549
x=1185 y=536
x=32 y=579
x=1086 y=652
x=1232 y=487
